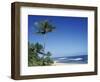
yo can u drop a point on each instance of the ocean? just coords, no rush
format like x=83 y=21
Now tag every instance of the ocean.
x=79 y=59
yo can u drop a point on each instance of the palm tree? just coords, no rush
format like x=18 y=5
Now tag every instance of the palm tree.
x=44 y=27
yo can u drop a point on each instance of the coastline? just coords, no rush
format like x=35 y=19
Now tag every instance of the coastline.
x=56 y=63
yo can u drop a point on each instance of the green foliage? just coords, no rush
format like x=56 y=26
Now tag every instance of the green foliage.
x=32 y=55
x=44 y=27
x=37 y=57
x=47 y=59
x=36 y=52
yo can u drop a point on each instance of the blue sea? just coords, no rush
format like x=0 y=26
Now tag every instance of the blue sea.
x=79 y=59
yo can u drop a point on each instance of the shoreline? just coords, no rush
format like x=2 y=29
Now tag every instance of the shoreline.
x=56 y=63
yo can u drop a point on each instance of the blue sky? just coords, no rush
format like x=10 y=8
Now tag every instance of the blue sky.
x=68 y=39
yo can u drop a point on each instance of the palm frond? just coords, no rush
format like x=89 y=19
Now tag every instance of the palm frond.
x=44 y=27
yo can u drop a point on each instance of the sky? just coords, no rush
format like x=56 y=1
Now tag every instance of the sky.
x=69 y=37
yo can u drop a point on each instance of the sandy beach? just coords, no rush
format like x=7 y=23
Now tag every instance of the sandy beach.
x=56 y=63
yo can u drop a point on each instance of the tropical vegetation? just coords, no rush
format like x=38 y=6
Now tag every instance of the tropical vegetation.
x=37 y=55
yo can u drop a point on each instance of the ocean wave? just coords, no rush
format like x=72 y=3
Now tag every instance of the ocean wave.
x=72 y=59
x=62 y=58
x=76 y=59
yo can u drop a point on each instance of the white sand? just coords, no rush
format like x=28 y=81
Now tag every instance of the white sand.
x=56 y=63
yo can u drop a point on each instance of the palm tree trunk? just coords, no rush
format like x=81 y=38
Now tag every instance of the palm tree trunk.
x=44 y=48
x=44 y=42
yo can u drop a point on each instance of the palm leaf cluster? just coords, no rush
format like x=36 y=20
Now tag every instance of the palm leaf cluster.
x=44 y=27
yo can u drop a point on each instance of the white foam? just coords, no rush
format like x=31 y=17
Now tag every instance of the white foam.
x=76 y=59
